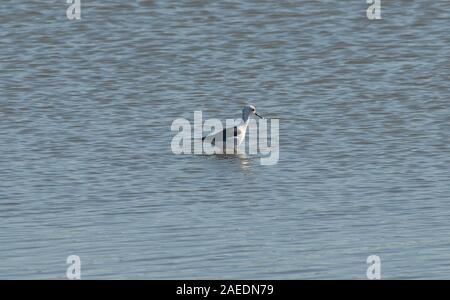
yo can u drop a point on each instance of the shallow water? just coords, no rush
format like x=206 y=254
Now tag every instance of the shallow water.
x=86 y=166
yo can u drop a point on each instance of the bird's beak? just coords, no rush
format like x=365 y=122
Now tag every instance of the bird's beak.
x=259 y=116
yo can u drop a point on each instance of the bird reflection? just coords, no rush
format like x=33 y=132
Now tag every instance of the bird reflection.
x=241 y=158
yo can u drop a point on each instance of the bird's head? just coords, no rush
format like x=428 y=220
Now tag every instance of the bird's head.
x=249 y=110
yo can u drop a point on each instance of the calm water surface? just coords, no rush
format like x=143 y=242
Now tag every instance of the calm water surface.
x=86 y=166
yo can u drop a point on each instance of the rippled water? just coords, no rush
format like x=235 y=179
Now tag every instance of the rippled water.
x=86 y=166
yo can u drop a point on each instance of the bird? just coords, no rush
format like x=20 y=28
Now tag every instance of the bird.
x=233 y=135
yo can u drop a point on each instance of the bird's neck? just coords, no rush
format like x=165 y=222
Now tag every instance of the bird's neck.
x=245 y=117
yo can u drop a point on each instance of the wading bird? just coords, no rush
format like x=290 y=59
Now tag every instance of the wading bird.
x=232 y=136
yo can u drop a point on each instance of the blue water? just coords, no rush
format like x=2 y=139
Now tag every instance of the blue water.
x=86 y=166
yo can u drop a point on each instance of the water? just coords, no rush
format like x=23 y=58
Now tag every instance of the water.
x=86 y=166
